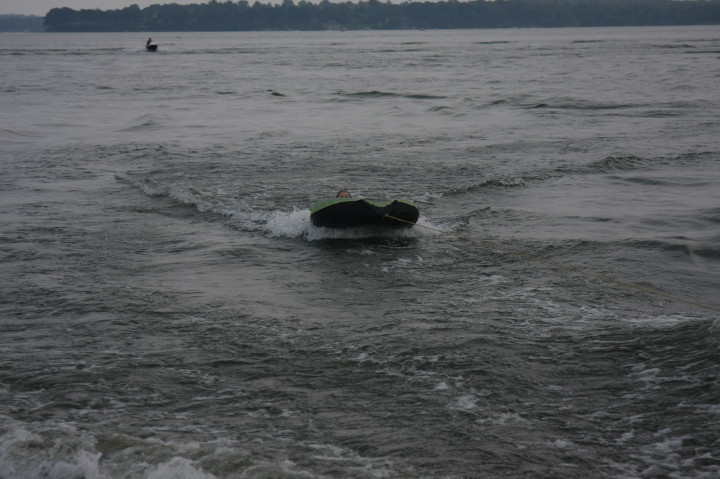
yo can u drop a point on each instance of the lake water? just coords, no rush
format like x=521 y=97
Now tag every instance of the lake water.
x=167 y=310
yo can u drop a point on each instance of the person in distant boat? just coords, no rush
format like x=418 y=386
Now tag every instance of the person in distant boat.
x=343 y=194
x=148 y=42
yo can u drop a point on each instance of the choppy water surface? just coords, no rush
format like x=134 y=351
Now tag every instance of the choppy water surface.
x=168 y=311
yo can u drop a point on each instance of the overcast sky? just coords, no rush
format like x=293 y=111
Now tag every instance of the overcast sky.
x=41 y=7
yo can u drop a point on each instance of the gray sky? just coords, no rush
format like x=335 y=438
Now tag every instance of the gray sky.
x=41 y=7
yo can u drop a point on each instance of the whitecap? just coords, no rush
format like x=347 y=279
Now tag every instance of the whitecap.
x=466 y=402
x=179 y=467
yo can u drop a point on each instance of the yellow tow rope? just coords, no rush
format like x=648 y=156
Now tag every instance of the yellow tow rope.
x=562 y=266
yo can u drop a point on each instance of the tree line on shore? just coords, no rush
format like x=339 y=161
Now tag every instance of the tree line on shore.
x=21 y=23
x=373 y=14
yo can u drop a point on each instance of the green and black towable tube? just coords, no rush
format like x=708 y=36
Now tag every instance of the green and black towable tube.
x=354 y=212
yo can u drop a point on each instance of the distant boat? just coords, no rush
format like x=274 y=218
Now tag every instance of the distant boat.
x=150 y=45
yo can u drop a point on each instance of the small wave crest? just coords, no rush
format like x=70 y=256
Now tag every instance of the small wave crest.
x=577 y=104
x=239 y=213
x=147 y=121
x=707 y=251
x=14 y=134
x=490 y=184
x=385 y=94
x=613 y=163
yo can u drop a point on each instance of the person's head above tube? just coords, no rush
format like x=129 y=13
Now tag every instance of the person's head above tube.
x=343 y=194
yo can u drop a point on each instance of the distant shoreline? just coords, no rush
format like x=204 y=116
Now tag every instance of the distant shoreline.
x=21 y=23
x=374 y=15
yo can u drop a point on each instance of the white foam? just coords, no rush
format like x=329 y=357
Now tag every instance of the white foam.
x=401 y=263
x=61 y=451
x=361 y=357
x=466 y=402
x=178 y=467
x=284 y=469
x=491 y=280
x=502 y=419
x=291 y=224
x=426 y=197
x=561 y=443
x=369 y=466
x=84 y=464
x=33 y=455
